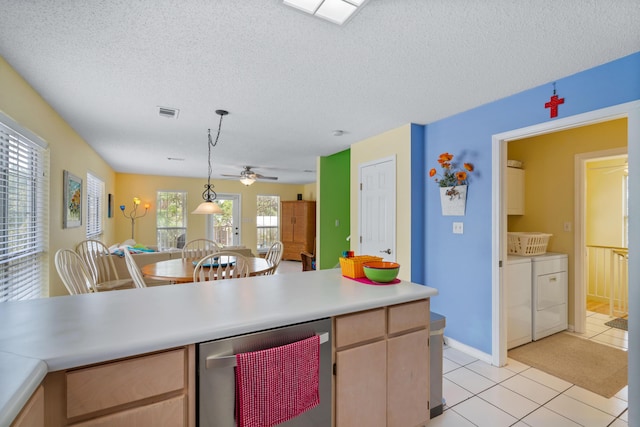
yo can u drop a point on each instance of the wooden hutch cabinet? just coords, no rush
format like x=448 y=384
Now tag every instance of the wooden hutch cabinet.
x=298 y=228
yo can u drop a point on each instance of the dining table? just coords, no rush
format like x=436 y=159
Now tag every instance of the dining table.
x=178 y=270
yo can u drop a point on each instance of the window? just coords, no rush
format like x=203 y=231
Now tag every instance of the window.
x=24 y=213
x=171 y=219
x=95 y=206
x=268 y=214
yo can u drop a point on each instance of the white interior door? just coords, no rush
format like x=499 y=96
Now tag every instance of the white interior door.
x=225 y=228
x=378 y=208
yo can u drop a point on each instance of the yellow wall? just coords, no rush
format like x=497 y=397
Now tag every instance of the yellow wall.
x=394 y=142
x=146 y=187
x=548 y=161
x=68 y=151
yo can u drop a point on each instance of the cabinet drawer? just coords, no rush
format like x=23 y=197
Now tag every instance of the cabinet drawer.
x=105 y=386
x=360 y=327
x=168 y=413
x=408 y=316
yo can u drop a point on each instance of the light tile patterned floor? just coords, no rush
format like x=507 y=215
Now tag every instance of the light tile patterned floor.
x=478 y=394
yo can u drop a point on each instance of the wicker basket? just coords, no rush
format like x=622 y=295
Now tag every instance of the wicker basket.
x=352 y=267
x=524 y=243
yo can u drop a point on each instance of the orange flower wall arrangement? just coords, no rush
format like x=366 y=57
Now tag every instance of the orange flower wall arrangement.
x=453 y=184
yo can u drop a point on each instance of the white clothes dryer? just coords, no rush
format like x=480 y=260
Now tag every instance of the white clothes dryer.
x=517 y=288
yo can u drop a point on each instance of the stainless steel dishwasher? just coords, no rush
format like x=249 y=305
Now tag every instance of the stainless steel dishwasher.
x=216 y=375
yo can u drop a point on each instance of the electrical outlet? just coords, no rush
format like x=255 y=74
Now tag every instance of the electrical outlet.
x=458 y=228
x=567 y=226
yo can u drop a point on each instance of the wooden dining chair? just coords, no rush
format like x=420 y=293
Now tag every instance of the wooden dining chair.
x=198 y=248
x=97 y=257
x=221 y=265
x=73 y=272
x=134 y=270
x=274 y=256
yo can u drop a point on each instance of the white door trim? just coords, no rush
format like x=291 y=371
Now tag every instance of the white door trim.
x=579 y=249
x=631 y=110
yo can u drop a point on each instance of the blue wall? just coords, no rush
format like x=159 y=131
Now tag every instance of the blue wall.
x=459 y=265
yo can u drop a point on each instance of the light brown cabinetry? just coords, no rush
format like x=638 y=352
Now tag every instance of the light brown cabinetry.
x=32 y=415
x=298 y=228
x=154 y=389
x=382 y=366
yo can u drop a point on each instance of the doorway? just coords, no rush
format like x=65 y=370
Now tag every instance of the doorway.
x=499 y=247
x=604 y=203
x=225 y=228
x=378 y=208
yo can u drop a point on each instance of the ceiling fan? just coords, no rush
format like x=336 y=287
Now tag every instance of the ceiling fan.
x=248 y=177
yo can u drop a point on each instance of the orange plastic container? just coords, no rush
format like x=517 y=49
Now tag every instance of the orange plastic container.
x=352 y=267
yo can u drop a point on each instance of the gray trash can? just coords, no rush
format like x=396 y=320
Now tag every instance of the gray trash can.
x=437 y=324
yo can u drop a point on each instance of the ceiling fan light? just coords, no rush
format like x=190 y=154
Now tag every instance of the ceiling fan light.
x=247 y=180
x=208 y=208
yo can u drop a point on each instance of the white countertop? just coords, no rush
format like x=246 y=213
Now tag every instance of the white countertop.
x=71 y=331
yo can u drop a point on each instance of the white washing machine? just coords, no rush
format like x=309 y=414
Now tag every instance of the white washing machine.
x=550 y=289
x=517 y=287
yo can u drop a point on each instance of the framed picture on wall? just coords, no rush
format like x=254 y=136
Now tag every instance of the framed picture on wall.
x=72 y=203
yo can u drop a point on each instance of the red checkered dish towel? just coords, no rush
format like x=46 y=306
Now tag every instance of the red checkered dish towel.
x=277 y=384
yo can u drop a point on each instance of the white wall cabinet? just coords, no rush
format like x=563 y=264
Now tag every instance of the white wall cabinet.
x=515 y=191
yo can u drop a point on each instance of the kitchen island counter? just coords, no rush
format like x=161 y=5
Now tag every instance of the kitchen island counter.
x=71 y=331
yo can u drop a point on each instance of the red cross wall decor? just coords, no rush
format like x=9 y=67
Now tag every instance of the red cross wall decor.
x=553 y=103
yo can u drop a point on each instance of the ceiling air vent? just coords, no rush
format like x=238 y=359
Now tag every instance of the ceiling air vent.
x=170 y=113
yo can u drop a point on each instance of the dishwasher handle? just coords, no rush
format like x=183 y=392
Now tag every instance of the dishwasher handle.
x=214 y=362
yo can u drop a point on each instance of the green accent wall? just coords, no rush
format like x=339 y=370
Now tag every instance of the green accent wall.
x=334 y=215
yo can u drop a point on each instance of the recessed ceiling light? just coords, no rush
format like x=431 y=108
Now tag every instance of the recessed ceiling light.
x=309 y=6
x=336 y=11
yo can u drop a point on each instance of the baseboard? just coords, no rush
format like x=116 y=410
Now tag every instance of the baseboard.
x=471 y=351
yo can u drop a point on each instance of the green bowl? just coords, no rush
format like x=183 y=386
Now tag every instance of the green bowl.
x=381 y=271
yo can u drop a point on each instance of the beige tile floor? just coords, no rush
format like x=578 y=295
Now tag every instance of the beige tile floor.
x=478 y=394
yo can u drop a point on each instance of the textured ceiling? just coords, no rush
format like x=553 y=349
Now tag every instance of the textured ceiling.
x=287 y=79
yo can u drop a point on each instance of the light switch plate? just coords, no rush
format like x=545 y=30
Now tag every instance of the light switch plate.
x=458 y=228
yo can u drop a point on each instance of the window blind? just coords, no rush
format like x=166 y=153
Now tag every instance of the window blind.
x=24 y=213
x=95 y=206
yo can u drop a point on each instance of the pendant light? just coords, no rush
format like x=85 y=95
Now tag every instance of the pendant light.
x=209 y=206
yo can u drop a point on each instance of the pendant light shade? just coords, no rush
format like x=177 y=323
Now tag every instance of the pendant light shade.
x=209 y=206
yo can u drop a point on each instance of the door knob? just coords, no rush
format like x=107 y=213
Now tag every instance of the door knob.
x=388 y=252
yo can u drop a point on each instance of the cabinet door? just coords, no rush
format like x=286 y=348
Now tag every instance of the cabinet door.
x=408 y=379
x=361 y=386
x=287 y=221
x=515 y=191
x=32 y=415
